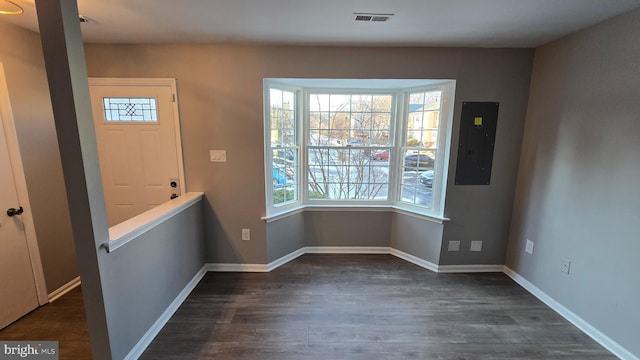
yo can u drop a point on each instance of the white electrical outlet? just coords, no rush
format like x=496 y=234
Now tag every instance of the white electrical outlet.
x=246 y=234
x=454 y=245
x=565 y=266
x=476 y=246
x=529 y=247
x=218 y=155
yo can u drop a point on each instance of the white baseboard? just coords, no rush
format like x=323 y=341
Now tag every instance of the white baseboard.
x=470 y=268
x=222 y=267
x=146 y=339
x=347 y=250
x=576 y=320
x=58 y=293
x=352 y=250
x=414 y=260
x=285 y=259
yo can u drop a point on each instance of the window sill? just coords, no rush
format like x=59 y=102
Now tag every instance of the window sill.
x=129 y=230
x=395 y=209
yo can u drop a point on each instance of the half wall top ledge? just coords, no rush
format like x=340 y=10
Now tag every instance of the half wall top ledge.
x=129 y=230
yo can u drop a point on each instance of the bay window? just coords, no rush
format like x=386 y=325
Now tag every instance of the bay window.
x=357 y=143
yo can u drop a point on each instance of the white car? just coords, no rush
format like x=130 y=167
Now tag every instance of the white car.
x=427 y=178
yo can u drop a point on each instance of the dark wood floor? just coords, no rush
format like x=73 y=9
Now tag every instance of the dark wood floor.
x=63 y=320
x=366 y=307
x=340 y=307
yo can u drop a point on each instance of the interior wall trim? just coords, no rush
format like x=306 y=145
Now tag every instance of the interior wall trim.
x=153 y=331
x=572 y=317
x=62 y=290
x=414 y=260
x=450 y=269
x=347 y=250
x=285 y=259
x=227 y=267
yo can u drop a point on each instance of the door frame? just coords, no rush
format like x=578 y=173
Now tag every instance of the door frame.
x=11 y=136
x=141 y=82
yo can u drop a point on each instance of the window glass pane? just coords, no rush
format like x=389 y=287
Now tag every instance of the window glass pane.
x=347 y=173
x=283 y=120
x=118 y=109
x=421 y=140
x=382 y=103
x=339 y=102
x=417 y=177
x=352 y=120
x=343 y=163
x=285 y=175
x=319 y=102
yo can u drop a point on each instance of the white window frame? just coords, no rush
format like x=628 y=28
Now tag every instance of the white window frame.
x=443 y=148
x=305 y=146
x=399 y=118
x=268 y=150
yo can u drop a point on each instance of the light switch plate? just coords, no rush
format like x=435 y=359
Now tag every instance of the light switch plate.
x=218 y=155
x=246 y=234
x=529 y=247
x=476 y=246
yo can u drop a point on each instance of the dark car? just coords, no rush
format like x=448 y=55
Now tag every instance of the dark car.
x=418 y=162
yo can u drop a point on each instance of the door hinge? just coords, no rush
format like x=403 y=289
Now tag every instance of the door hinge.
x=173 y=97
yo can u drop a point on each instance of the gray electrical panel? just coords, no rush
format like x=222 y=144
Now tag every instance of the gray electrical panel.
x=478 y=125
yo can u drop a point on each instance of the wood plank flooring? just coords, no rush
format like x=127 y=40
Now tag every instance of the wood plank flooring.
x=339 y=307
x=366 y=307
x=63 y=320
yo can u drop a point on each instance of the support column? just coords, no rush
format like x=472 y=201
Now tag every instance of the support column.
x=67 y=74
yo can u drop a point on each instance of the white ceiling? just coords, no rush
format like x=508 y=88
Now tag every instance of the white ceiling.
x=474 y=23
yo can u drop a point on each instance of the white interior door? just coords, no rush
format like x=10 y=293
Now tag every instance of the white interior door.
x=18 y=293
x=138 y=145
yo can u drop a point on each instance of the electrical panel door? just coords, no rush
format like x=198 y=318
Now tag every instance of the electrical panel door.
x=478 y=125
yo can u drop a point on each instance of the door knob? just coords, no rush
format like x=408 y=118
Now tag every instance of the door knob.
x=14 y=211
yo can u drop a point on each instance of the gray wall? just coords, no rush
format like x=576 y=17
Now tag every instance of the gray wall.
x=347 y=228
x=220 y=98
x=21 y=54
x=483 y=212
x=417 y=237
x=577 y=195
x=285 y=236
x=142 y=278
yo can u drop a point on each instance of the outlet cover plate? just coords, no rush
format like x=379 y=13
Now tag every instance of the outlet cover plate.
x=476 y=246
x=218 y=155
x=529 y=247
x=454 y=246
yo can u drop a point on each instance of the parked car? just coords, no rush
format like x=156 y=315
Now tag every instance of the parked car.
x=427 y=178
x=418 y=162
x=380 y=155
x=285 y=154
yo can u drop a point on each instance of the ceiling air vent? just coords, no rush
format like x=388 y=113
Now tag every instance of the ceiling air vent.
x=370 y=17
